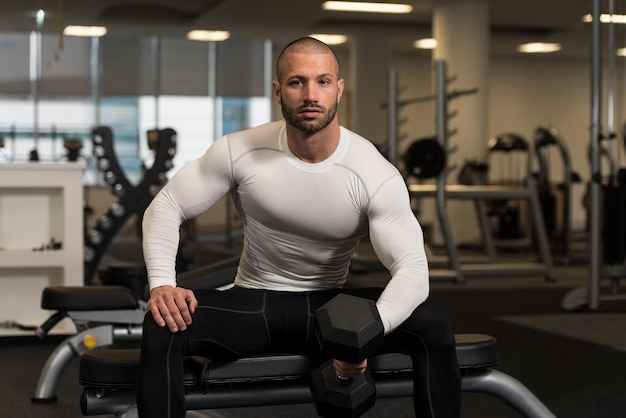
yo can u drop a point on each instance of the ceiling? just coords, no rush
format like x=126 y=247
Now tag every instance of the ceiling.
x=512 y=22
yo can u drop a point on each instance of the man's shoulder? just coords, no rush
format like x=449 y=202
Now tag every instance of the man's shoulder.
x=266 y=135
x=266 y=130
x=363 y=156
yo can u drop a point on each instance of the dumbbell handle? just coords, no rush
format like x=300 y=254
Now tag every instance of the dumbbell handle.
x=347 y=369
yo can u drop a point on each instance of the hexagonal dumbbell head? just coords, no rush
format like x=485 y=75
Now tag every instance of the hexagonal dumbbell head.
x=334 y=398
x=349 y=328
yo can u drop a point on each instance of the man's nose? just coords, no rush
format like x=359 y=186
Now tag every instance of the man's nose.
x=311 y=93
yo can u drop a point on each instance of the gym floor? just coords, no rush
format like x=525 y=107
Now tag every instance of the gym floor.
x=575 y=362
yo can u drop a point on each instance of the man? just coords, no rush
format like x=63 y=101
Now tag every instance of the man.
x=307 y=191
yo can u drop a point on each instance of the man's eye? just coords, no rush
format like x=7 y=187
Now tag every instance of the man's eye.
x=295 y=83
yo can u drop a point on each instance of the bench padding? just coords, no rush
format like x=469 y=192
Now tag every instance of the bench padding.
x=118 y=367
x=87 y=298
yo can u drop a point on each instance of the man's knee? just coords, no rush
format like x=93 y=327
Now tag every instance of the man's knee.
x=154 y=337
x=431 y=323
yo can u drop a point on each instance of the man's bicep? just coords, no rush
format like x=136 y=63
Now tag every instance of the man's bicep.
x=394 y=230
x=202 y=182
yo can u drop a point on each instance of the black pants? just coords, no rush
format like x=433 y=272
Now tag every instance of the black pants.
x=240 y=322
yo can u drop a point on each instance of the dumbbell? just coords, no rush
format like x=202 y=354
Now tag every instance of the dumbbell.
x=349 y=328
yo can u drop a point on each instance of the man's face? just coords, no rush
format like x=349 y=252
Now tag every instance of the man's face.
x=309 y=91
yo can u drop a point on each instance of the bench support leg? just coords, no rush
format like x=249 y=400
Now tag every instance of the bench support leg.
x=508 y=389
x=51 y=372
x=59 y=359
x=129 y=413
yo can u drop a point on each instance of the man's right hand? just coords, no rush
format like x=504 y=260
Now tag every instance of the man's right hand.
x=345 y=369
x=172 y=306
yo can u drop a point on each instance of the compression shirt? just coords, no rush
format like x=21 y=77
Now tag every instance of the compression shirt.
x=302 y=221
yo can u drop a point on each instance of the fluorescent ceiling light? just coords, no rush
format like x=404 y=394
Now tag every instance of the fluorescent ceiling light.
x=208 y=35
x=39 y=17
x=362 y=6
x=329 y=39
x=425 y=43
x=538 y=47
x=621 y=52
x=73 y=30
x=606 y=18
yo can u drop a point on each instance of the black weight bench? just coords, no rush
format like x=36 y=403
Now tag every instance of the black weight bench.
x=108 y=379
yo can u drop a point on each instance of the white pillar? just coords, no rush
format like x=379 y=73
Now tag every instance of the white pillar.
x=367 y=86
x=462 y=33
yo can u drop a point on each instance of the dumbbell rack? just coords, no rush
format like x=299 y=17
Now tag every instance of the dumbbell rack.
x=131 y=199
x=442 y=192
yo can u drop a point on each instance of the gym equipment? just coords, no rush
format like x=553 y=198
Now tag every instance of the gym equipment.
x=590 y=296
x=425 y=158
x=349 y=329
x=473 y=172
x=108 y=378
x=131 y=199
x=421 y=166
x=478 y=194
x=73 y=147
x=612 y=255
x=106 y=315
x=546 y=137
x=513 y=148
x=614 y=230
x=2 y=153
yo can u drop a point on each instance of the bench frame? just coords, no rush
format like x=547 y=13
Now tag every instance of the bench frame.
x=283 y=379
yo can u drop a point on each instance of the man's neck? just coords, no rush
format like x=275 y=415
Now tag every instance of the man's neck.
x=315 y=147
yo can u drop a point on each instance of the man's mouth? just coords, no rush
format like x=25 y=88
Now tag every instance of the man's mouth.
x=310 y=111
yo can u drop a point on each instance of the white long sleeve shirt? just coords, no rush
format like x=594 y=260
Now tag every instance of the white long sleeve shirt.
x=301 y=221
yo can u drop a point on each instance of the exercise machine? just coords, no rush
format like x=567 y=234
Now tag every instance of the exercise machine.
x=512 y=151
x=558 y=223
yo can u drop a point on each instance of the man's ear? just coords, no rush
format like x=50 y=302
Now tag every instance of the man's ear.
x=276 y=88
x=340 y=85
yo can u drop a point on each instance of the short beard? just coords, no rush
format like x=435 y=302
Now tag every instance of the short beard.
x=307 y=126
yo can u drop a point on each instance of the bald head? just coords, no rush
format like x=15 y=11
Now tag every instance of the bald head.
x=306 y=45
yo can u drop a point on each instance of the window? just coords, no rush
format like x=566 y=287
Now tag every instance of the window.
x=138 y=84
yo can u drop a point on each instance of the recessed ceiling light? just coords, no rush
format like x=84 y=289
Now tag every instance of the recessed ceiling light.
x=90 y=31
x=362 y=6
x=330 y=39
x=538 y=47
x=39 y=17
x=208 y=35
x=425 y=43
x=606 y=18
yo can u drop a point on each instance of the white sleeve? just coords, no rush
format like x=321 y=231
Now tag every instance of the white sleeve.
x=398 y=241
x=191 y=191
